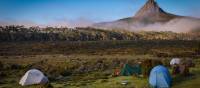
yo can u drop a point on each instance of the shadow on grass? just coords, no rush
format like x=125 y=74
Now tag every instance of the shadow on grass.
x=181 y=79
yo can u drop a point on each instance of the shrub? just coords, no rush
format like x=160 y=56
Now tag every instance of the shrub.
x=1 y=66
x=66 y=73
x=15 y=66
x=2 y=74
x=148 y=64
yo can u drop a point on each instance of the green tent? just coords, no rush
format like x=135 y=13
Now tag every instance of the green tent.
x=128 y=70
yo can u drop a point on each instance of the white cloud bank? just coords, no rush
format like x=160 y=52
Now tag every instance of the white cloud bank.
x=174 y=25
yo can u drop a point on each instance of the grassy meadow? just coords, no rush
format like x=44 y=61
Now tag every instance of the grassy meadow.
x=90 y=64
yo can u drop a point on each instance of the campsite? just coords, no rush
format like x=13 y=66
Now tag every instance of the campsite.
x=99 y=44
x=92 y=69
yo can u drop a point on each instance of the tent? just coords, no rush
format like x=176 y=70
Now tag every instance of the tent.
x=128 y=70
x=33 y=76
x=160 y=77
x=175 y=61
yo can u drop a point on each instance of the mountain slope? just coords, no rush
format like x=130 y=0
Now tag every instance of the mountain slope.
x=151 y=11
x=150 y=14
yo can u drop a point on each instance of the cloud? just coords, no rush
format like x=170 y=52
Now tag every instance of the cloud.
x=174 y=25
x=14 y=22
x=61 y=22
x=80 y=22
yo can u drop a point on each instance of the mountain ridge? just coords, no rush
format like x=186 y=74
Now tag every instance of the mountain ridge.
x=149 y=14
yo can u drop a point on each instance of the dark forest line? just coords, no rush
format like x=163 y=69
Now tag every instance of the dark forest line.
x=21 y=33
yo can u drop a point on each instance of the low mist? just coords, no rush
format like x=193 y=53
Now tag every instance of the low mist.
x=175 y=25
x=81 y=22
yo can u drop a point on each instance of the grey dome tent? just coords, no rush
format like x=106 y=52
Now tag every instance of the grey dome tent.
x=175 y=61
x=33 y=76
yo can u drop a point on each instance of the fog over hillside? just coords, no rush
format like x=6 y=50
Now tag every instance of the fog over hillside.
x=175 y=25
x=153 y=18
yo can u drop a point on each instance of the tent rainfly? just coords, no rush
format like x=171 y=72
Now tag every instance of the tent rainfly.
x=32 y=77
x=128 y=70
x=175 y=61
x=160 y=77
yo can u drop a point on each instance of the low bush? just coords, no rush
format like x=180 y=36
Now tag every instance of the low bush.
x=16 y=66
x=1 y=66
x=65 y=73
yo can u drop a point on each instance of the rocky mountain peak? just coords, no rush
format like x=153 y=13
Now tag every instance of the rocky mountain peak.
x=152 y=11
x=153 y=18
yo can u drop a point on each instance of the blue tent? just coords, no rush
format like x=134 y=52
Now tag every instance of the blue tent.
x=160 y=77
